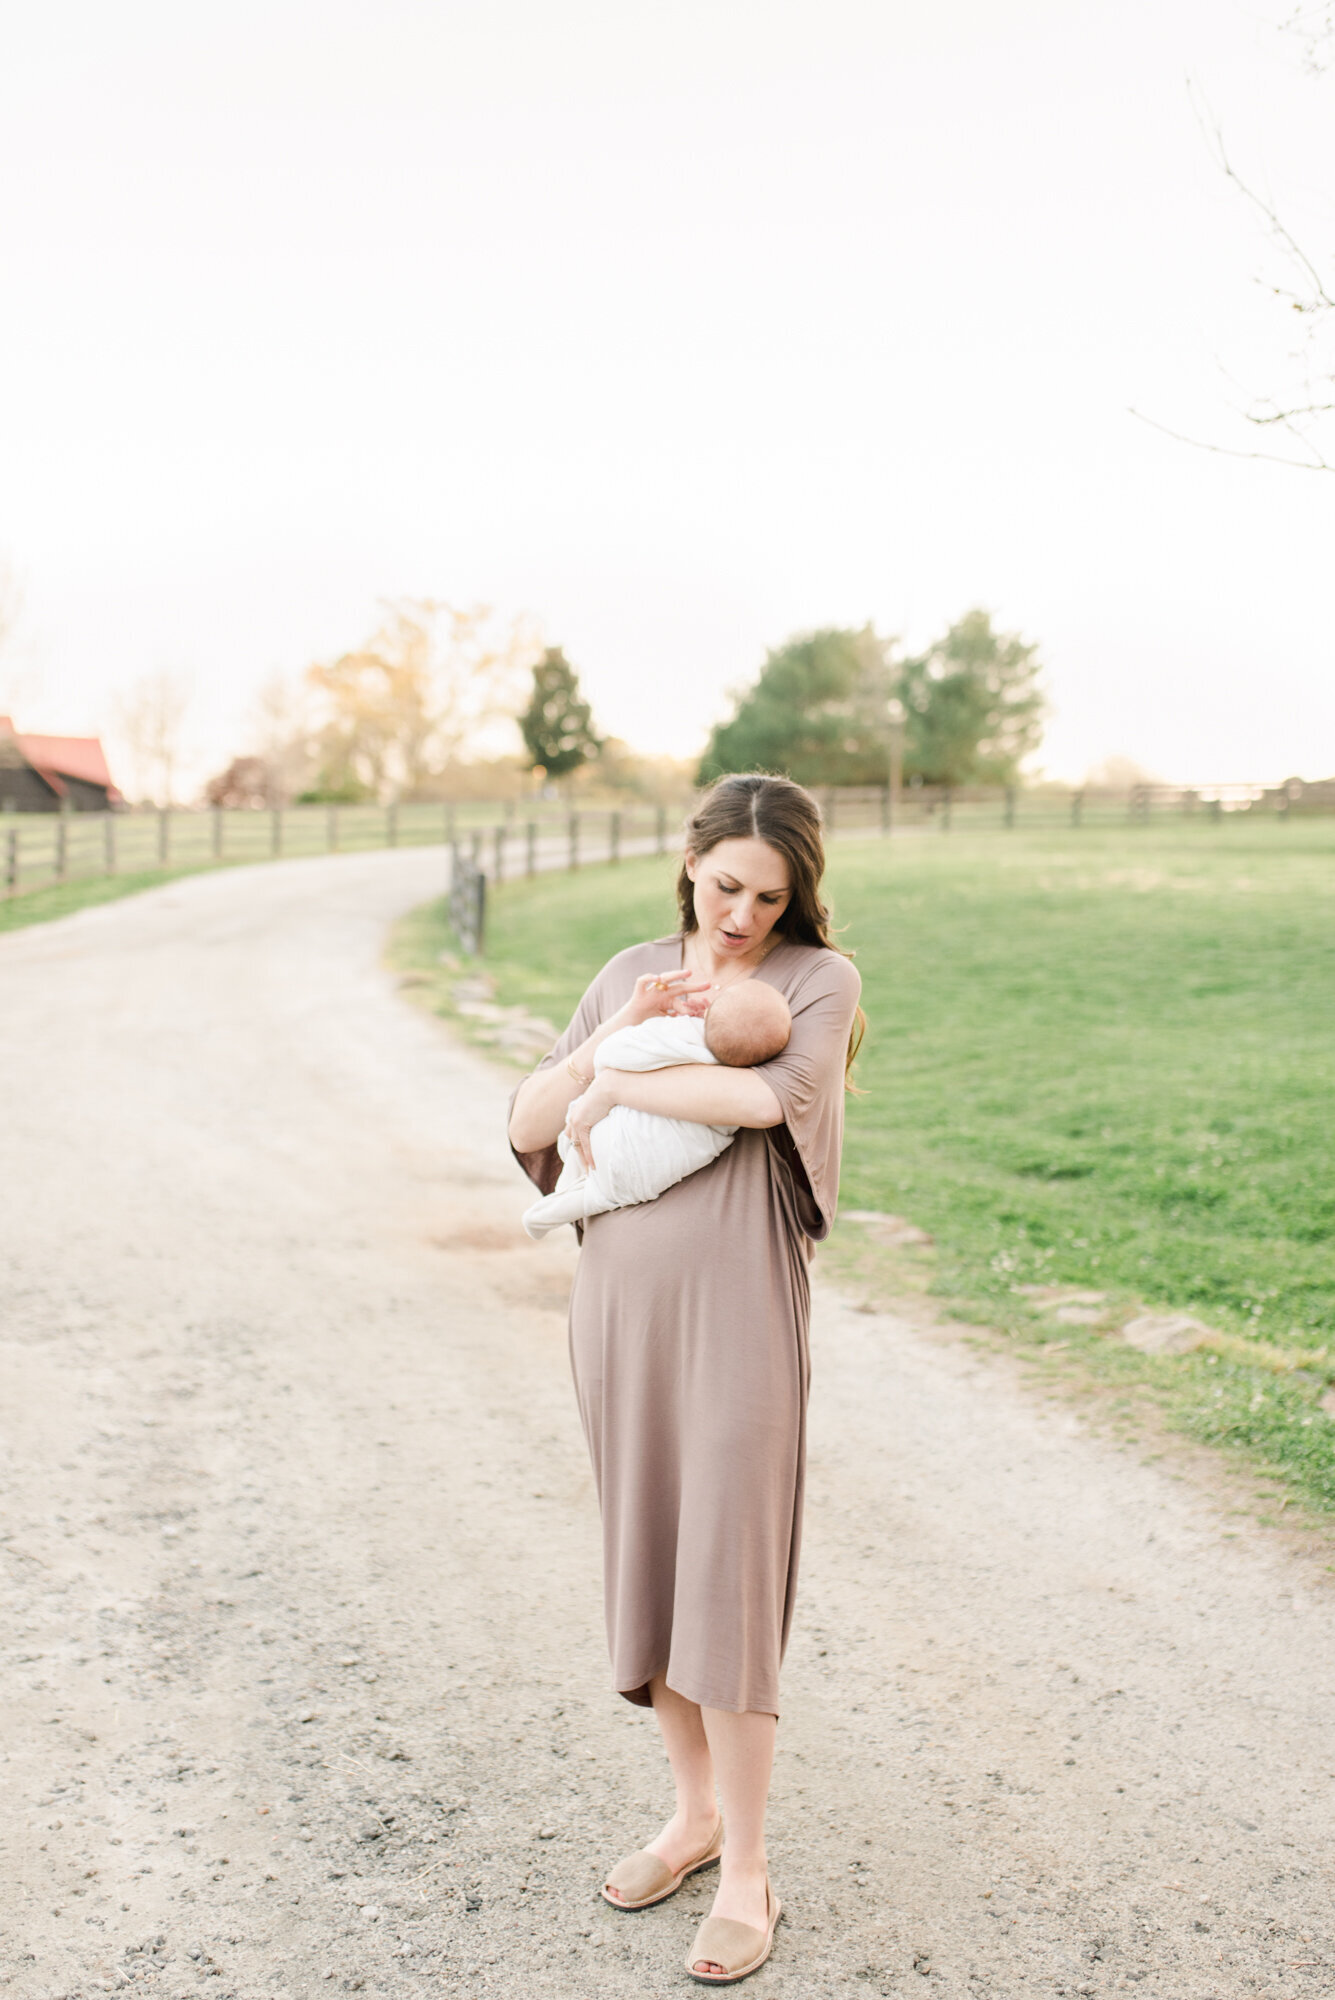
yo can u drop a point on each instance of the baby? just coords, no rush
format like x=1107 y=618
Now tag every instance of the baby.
x=637 y=1154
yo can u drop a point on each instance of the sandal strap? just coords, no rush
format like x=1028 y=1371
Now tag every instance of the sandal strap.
x=640 y=1875
x=723 y=1941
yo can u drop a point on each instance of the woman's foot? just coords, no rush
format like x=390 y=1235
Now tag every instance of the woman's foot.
x=682 y=1840
x=743 y=1897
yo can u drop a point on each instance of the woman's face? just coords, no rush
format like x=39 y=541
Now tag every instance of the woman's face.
x=741 y=889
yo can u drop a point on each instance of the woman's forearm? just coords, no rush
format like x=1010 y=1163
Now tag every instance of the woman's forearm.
x=702 y=1095
x=543 y=1099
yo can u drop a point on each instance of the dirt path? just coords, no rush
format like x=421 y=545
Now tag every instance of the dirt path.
x=305 y=1682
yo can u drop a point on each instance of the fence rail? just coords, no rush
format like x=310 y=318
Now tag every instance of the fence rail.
x=525 y=837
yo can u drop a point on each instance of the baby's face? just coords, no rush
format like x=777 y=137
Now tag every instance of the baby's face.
x=746 y=1024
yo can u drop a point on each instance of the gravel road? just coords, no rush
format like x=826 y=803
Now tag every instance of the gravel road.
x=305 y=1686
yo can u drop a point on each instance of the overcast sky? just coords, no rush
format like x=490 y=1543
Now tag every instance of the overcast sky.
x=679 y=327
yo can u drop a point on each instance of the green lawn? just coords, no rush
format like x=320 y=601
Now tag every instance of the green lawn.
x=1102 y=1058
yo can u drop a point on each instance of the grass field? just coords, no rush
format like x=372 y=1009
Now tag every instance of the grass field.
x=1102 y=1059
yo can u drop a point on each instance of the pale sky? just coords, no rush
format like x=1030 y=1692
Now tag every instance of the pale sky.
x=682 y=328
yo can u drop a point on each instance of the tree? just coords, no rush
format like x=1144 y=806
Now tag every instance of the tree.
x=817 y=713
x=974 y=709
x=246 y=782
x=282 y=737
x=425 y=689
x=557 y=725
x=1296 y=418
x=19 y=686
x=150 y=717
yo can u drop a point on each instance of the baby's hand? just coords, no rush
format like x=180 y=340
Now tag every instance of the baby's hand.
x=583 y=1113
x=665 y=993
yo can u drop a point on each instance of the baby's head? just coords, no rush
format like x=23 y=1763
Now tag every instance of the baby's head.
x=748 y=1023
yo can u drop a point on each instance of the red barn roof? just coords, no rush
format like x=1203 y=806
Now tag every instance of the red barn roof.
x=58 y=757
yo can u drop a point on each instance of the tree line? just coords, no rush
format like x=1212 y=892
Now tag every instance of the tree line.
x=428 y=704
x=824 y=707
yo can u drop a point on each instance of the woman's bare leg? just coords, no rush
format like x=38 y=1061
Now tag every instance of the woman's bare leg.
x=688 y=1830
x=743 y=1751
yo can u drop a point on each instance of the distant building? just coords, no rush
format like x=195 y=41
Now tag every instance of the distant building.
x=53 y=773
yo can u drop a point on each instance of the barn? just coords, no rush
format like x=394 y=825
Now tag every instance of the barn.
x=53 y=773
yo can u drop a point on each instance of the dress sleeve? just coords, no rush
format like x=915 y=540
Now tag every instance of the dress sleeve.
x=807 y=1077
x=544 y=1166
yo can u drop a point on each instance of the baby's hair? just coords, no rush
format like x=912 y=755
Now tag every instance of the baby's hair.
x=748 y=1023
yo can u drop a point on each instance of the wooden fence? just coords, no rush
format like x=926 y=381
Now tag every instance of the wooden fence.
x=525 y=837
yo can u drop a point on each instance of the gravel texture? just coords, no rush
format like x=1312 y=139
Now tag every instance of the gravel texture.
x=305 y=1681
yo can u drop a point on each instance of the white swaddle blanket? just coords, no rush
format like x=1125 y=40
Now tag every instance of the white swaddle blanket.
x=637 y=1154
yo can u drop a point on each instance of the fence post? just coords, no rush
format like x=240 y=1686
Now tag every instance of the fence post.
x=498 y=845
x=216 y=842
x=829 y=808
x=885 y=807
x=164 y=835
x=12 y=862
x=1217 y=809
x=614 y=836
x=109 y=844
x=392 y=823
x=1010 y=805
x=945 y=808
x=661 y=830
x=1077 y=805
x=475 y=847
x=574 y=840
x=276 y=830
x=62 y=846
x=331 y=830
x=531 y=848
x=467 y=902
x=449 y=822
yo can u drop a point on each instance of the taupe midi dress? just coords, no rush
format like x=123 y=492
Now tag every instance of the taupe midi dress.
x=688 y=1342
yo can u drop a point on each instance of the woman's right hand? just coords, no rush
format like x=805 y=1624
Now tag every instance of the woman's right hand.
x=664 y=993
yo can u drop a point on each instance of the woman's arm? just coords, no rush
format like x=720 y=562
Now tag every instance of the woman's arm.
x=703 y=1095
x=542 y=1100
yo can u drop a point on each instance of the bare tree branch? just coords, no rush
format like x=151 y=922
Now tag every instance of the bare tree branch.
x=1314 y=29
x=1321 y=300
x=1314 y=464
x=1312 y=300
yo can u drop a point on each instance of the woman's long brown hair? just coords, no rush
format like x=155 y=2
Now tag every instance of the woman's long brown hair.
x=752 y=806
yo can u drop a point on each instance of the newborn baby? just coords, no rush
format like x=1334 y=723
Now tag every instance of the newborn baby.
x=637 y=1154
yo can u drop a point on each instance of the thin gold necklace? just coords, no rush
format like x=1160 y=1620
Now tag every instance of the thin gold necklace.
x=766 y=949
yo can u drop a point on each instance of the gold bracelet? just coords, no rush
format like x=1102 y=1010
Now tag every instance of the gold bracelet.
x=582 y=1081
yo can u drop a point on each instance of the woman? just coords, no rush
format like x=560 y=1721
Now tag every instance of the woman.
x=688 y=1336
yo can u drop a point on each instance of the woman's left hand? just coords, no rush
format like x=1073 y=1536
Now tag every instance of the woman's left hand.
x=587 y=1111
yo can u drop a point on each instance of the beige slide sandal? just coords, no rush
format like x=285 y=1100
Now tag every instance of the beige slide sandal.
x=643 y=1879
x=740 y=1948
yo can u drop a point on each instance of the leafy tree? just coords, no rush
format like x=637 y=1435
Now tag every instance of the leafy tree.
x=426 y=687
x=817 y=713
x=245 y=782
x=557 y=725
x=974 y=709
